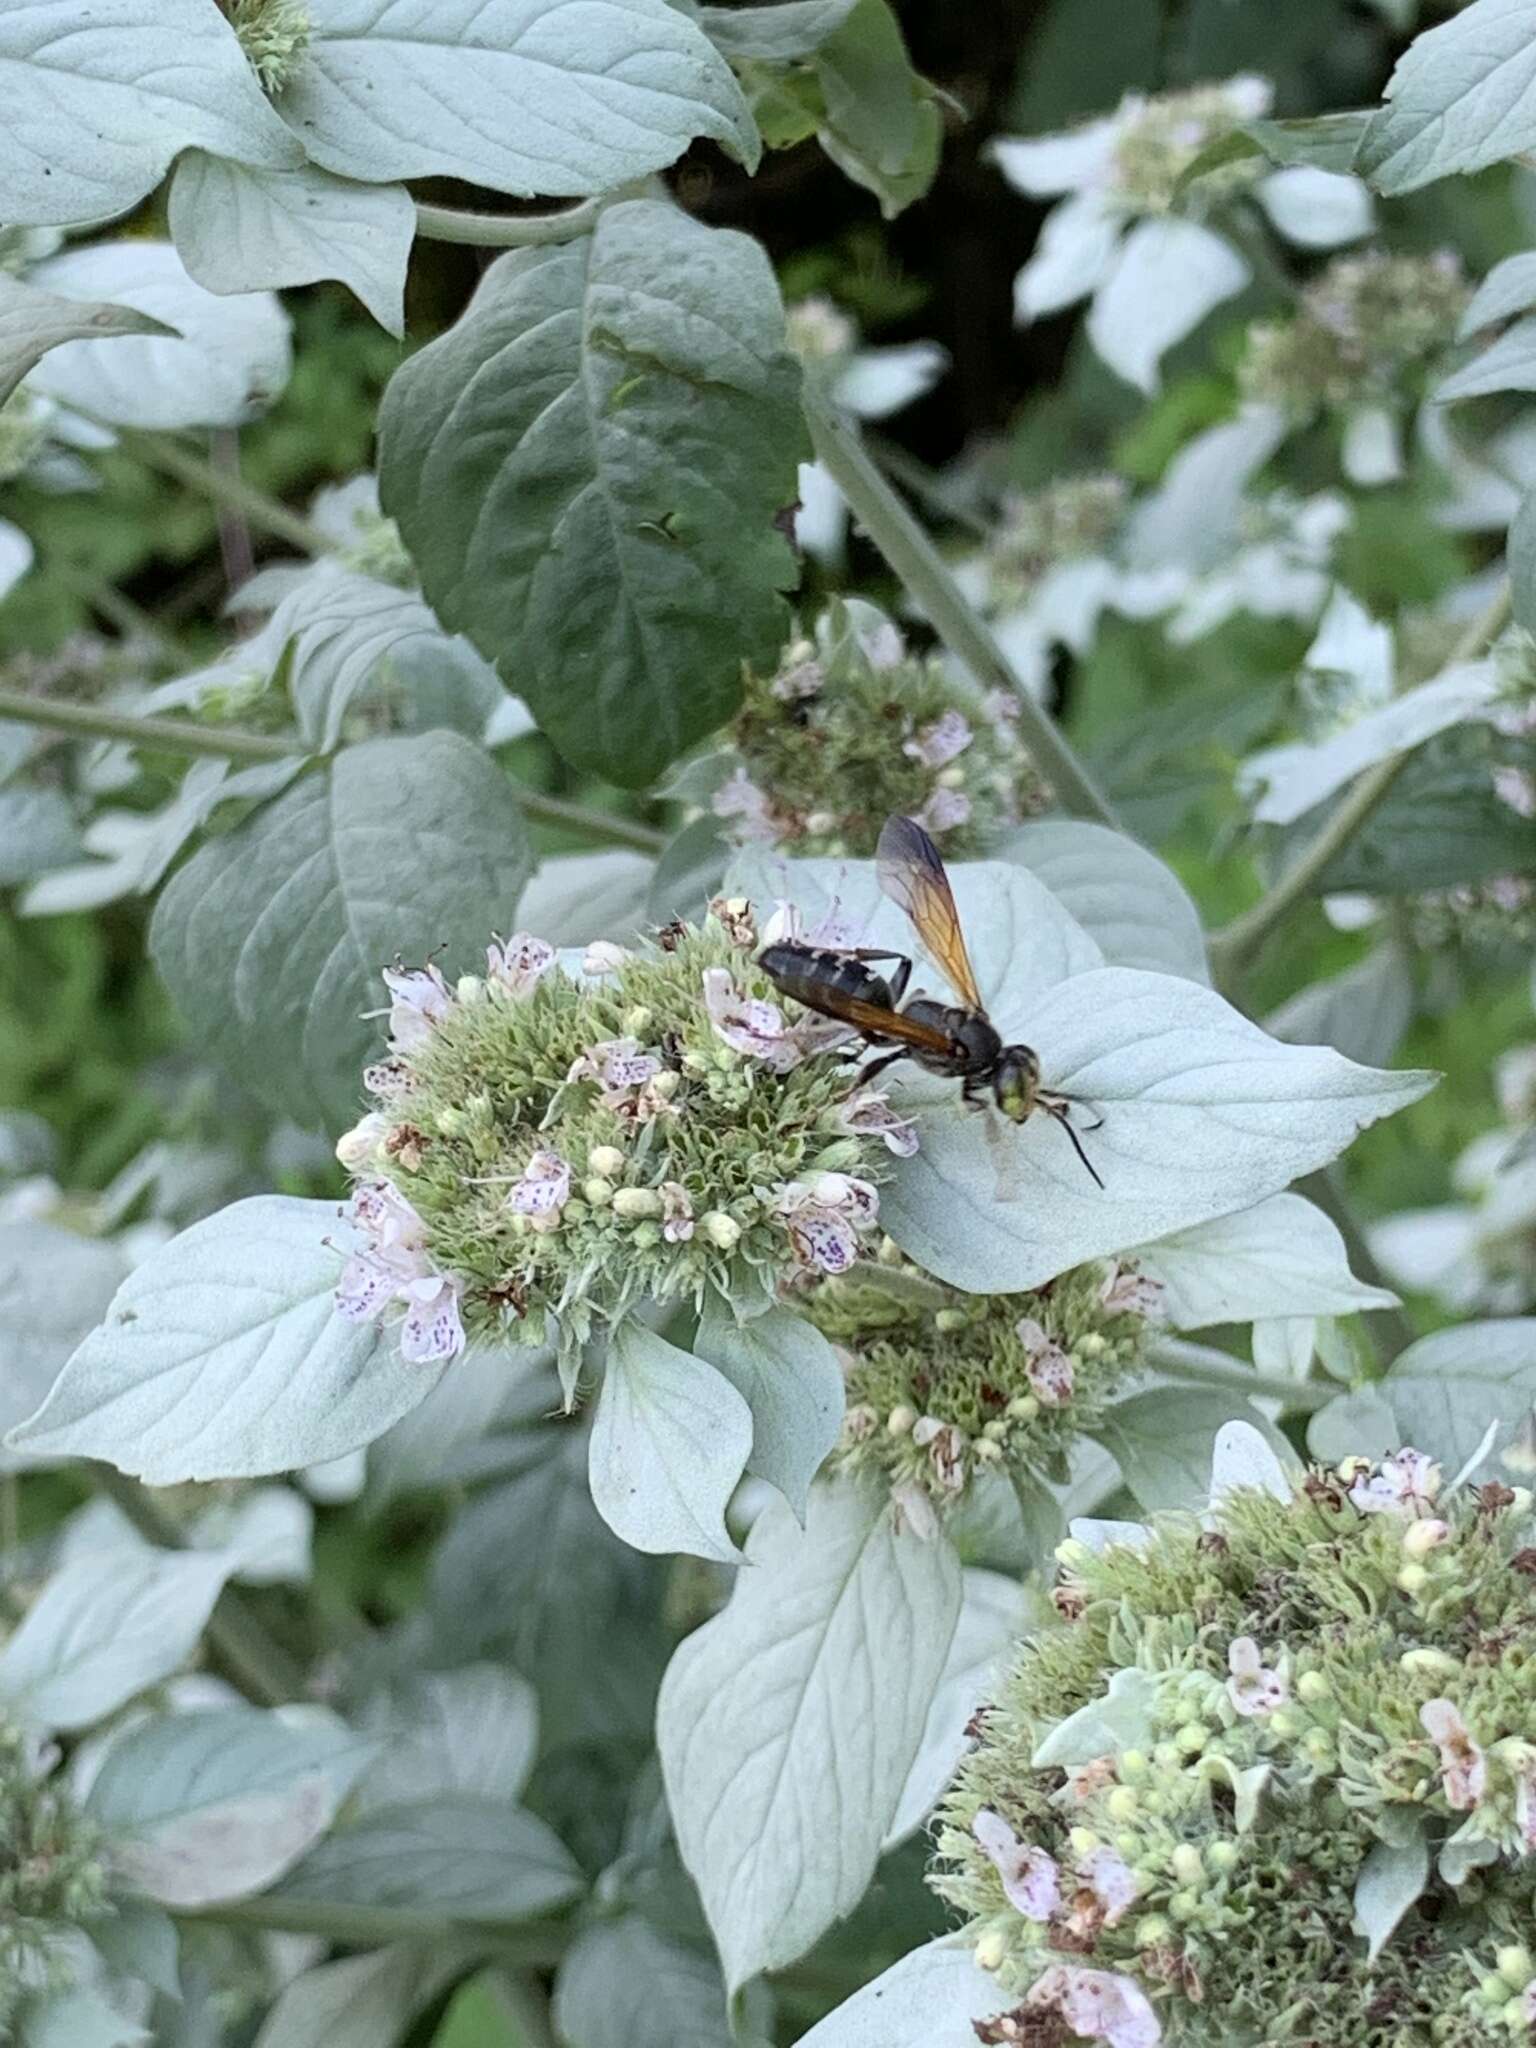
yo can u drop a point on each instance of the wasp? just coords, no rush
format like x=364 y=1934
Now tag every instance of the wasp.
x=958 y=1040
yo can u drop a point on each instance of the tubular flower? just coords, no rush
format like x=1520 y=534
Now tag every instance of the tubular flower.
x=984 y=1386
x=1233 y=1720
x=554 y=1145
x=852 y=728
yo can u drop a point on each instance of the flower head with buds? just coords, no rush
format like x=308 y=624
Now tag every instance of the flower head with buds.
x=980 y=1382
x=274 y=35
x=850 y=729
x=1162 y=1829
x=553 y=1147
x=52 y=1873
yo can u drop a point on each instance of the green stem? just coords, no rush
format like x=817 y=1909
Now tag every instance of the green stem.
x=1233 y=947
x=1202 y=1365
x=174 y=735
x=927 y=579
x=533 y=1948
x=185 y=736
x=507 y=230
x=225 y=488
x=239 y=1647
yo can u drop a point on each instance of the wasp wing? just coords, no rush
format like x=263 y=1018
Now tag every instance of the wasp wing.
x=877 y=1022
x=912 y=875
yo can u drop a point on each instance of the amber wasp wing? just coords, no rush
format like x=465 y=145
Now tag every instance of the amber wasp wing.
x=875 y=1020
x=912 y=875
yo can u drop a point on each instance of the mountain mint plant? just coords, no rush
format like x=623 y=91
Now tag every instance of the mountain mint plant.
x=638 y=1402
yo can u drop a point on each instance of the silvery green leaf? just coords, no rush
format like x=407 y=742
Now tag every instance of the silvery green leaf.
x=1354 y=1425
x=775 y=34
x=271 y=937
x=1391 y=1880
x=266 y=1533
x=1283 y=1346
x=1464 y=1852
x=458 y=1856
x=1099 y=1535
x=1328 y=141
x=222 y=1357
x=81 y=2017
x=993 y=1617
x=1507 y=364
x=241 y=229
x=1247 y=1788
x=1363 y=1013
x=1296 y=776
x=1522 y=561
x=1167 y=274
x=33 y=321
x=1164 y=1441
x=473 y=1730
x=56 y=1286
x=670 y=1440
x=419 y=1449
x=789 y=1377
x=363 y=2001
x=1203 y=1114
x=587 y=470
x=204 y=1807
x=932 y=1998
x=421 y=89
x=1124 y=897
x=1187 y=522
x=139 y=1940
x=103 y=1629
x=99 y=104
x=575 y=898
x=1447 y=1388
x=880 y=122
x=1316 y=209
x=1509 y=288
x=1122 y=1719
x=1244 y=1456
x=226 y=363
x=39 y=831
x=623 y=1980
x=787 y=1724
x=1460 y=99
x=1283 y=1257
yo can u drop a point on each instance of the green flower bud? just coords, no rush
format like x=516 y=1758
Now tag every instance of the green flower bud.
x=630 y=1202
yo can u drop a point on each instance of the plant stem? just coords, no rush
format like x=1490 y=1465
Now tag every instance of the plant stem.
x=174 y=735
x=1233 y=947
x=235 y=549
x=533 y=1947
x=227 y=490
x=239 y=1648
x=1202 y=1365
x=926 y=575
x=185 y=736
x=507 y=230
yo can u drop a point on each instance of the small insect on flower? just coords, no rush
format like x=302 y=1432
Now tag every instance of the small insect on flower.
x=956 y=1040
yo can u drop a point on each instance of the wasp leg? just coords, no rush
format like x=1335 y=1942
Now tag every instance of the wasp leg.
x=1059 y=1108
x=1049 y=1102
x=867 y=1073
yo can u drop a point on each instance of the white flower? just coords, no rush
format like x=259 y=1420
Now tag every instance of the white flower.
x=945 y=1446
x=1031 y=1880
x=1525 y=1808
x=944 y=810
x=420 y=996
x=869 y=1114
x=1405 y=1484
x=1112 y=1882
x=1254 y=1690
x=1463 y=1767
x=676 y=1212
x=825 y=1219
x=1127 y=1292
x=618 y=1065
x=518 y=965
x=358 y=1149
x=750 y=1025
x=393 y=1267
x=1098 y=2005
x=741 y=801
x=543 y=1191
x=941 y=741
x=1513 y=786
x=1047 y=1365
x=602 y=957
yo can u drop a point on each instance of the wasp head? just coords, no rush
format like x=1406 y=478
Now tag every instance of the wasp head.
x=1016 y=1082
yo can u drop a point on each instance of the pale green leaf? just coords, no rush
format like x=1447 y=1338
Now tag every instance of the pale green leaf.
x=1446 y=1389
x=623 y=1980
x=1460 y=99
x=932 y=1998
x=1391 y=1880
x=789 y=1377
x=1122 y=1719
x=33 y=321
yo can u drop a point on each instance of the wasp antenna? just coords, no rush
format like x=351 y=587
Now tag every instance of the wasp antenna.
x=1063 y=1115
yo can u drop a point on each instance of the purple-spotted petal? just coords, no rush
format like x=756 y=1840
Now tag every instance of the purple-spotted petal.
x=1031 y=1880
x=432 y=1328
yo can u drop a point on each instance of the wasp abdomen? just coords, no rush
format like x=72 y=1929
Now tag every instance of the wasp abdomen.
x=809 y=973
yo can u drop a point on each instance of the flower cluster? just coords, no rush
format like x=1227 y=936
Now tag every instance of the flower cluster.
x=1162 y=1828
x=1369 y=322
x=273 y=35
x=556 y=1143
x=51 y=1875
x=1039 y=530
x=851 y=728
x=943 y=1385
x=1158 y=139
